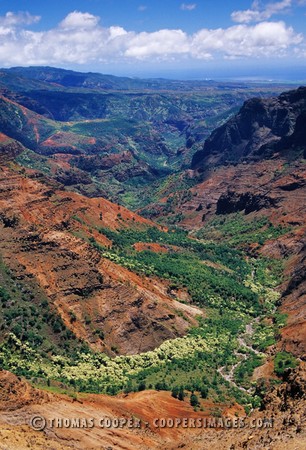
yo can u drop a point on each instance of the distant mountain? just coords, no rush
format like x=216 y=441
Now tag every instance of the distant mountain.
x=90 y=80
x=121 y=135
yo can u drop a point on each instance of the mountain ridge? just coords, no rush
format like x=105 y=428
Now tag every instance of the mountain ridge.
x=262 y=127
x=152 y=131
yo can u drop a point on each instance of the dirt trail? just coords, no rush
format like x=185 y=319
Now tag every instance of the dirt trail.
x=229 y=374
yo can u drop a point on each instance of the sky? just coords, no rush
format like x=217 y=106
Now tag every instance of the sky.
x=170 y=38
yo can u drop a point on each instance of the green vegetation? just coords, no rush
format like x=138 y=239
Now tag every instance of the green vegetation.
x=194 y=401
x=245 y=370
x=237 y=230
x=26 y=314
x=180 y=362
x=32 y=160
x=156 y=126
x=282 y=361
x=215 y=275
x=233 y=291
x=100 y=127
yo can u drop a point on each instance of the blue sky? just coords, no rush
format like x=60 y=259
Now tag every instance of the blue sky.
x=151 y=38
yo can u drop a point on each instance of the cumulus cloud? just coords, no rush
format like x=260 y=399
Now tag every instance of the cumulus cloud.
x=161 y=43
x=22 y=18
x=188 y=6
x=262 y=40
x=257 y=14
x=79 y=20
x=80 y=39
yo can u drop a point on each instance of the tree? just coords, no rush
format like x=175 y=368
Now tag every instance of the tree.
x=142 y=386
x=204 y=392
x=129 y=387
x=194 y=401
x=175 y=392
x=181 y=394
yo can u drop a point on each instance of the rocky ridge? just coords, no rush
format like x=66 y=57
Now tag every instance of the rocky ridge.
x=260 y=129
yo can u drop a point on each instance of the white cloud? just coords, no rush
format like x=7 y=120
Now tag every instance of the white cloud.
x=79 y=20
x=188 y=6
x=257 y=14
x=21 y=18
x=161 y=43
x=262 y=40
x=68 y=44
x=142 y=8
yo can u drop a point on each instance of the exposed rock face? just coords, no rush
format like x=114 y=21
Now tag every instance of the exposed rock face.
x=294 y=304
x=262 y=127
x=45 y=234
x=285 y=396
x=72 y=177
x=298 y=275
x=16 y=393
x=284 y=406
x=9 y=148
x=249 y=202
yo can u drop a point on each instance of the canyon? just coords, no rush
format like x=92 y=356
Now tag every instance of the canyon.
x=137 y=253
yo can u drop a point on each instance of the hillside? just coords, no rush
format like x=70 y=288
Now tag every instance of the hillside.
x=48 y=235
x=283 y=405
x=96 y=81
x=94 y=273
